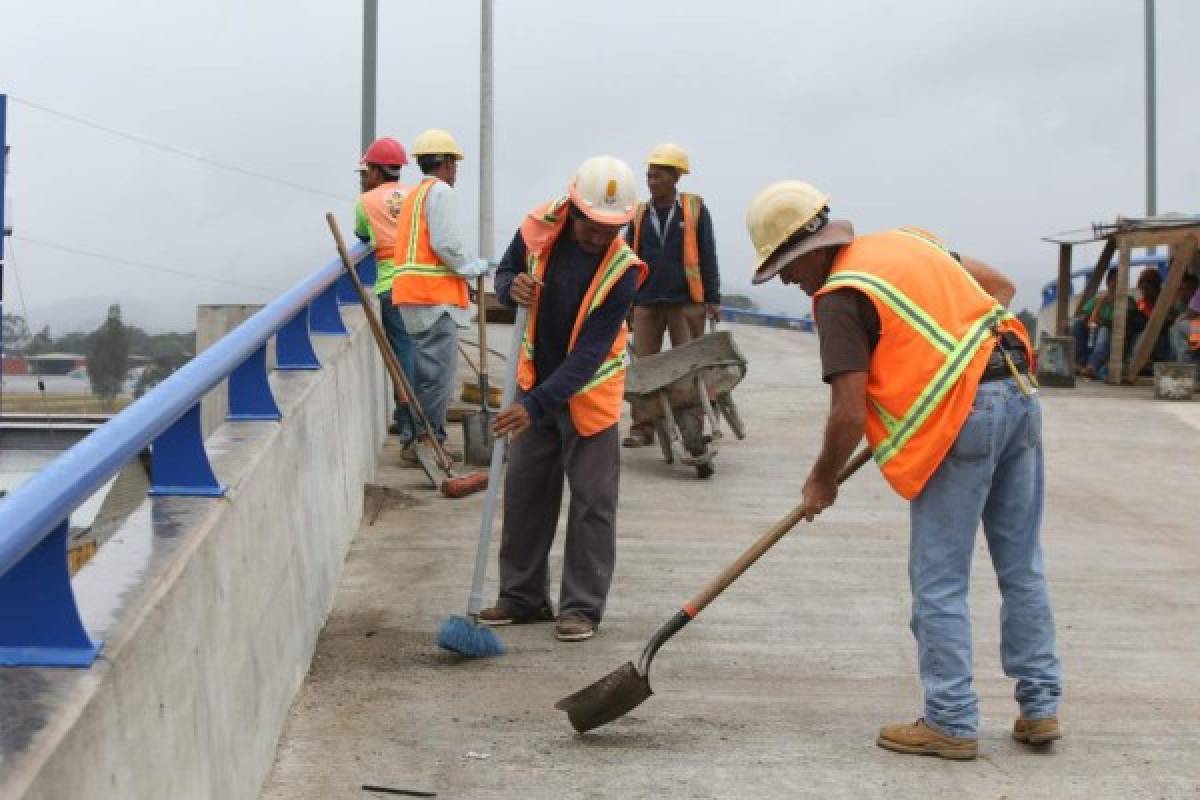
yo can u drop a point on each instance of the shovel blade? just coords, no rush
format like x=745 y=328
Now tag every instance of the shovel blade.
x=477 y=439
x=613 y=696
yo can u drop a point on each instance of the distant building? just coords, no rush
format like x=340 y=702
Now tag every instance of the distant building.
x=54 y=363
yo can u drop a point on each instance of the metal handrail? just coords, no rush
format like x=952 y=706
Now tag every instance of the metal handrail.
x=166 y=419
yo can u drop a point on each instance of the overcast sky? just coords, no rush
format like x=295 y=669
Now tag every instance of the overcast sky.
x=990 y=123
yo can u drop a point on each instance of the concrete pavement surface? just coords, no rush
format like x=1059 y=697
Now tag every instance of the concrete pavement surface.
x=778 y=689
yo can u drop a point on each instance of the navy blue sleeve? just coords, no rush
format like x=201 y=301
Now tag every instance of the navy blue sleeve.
x=595 y=340
x=708 y=257
x=512 y=263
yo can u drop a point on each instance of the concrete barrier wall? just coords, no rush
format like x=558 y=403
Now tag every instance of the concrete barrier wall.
x=209 y=609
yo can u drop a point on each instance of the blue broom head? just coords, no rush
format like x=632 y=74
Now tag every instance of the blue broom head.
x=461 y=635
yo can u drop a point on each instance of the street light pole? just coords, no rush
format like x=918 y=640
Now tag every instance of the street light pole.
x=1151 y=113
x=486 y=193
x=369 y=69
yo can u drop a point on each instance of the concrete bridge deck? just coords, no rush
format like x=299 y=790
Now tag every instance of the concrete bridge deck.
x=778 y=688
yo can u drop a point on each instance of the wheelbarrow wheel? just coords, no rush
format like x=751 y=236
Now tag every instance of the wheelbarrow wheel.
x=664 y=441
x=704 y=470
x=730 y=412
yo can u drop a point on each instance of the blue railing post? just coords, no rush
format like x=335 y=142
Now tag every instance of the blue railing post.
x=250 y=391
x=39 y=623
x=293 y=346
x=324 y=316
x=178 y=462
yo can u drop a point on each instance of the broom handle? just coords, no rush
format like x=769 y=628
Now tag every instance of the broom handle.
x=399 y=379
x=495 y=468
x=763 y=544
x=481 y=315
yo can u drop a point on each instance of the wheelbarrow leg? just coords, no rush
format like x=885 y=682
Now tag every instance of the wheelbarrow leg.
x=714 y=420
x=730 y=412
x=673 y=436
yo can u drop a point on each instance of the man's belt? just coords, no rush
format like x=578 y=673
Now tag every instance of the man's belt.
x=997 y=368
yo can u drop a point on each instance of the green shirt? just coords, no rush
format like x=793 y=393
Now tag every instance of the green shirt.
x=385 y=268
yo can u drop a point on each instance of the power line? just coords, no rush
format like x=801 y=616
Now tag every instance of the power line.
x=140 y=264
x=166 y=148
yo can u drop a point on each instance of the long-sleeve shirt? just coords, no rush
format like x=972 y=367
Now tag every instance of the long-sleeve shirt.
x=445 y=237
x=667 y=282
x=560 y=374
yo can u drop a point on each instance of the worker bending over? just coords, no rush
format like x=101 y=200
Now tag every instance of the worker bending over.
x=430 y=283
x=921 y=354
x=570 y=266
x=673 y=234
x=375 y=222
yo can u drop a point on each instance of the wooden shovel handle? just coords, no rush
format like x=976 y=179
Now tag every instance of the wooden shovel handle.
x=482 y=317
x=763 y=544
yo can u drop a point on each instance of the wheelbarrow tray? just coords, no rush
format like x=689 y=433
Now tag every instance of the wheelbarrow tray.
x=715 y=357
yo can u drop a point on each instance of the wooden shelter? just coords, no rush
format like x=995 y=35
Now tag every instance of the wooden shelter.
x=1180 y=234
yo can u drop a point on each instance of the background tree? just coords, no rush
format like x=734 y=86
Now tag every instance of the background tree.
x=108 y=357
x=739 y=301
x=16 y=333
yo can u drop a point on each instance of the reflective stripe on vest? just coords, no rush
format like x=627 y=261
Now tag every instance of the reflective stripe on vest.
x=421 y=278
x=597 y=405
x=691 y=204
x=923 y=374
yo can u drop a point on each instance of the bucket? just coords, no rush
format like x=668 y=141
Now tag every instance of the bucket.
x=1174 y=380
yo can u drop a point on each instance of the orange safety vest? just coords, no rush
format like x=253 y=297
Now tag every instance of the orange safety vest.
x=691 y=204
x=421 y=277
x=1194 y=333
x=938 y=329
x=597 y=406
x=382 y=206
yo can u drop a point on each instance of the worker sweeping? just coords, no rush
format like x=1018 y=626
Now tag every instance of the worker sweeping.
x=569 y=265
x=432 y=268
x=921 y=354
x=375 y=222
x=673 y=234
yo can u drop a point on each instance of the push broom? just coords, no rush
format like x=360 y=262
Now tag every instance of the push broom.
x=464 y=635
x=438 y=467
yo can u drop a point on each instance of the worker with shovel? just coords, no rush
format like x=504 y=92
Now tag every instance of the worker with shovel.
x=431 y=277
x=673 y=234
x=569 y=265
x=922 y=355
x=375 y=222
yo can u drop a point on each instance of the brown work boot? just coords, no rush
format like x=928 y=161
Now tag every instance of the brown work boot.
x=1037 y=731
x=921 y=740
x=639 y=436
x=504 y=614
x=574 y=628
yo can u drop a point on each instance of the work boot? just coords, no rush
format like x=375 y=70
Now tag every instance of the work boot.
x=503 y=614
x=574 y=628
x=639 y=436
x=1037 y=731
x=408 y=455
x=920 y=740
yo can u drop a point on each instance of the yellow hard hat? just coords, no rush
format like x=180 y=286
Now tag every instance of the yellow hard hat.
x=779 y=212
x=605 y=190
x=670 y=155
x=436 y=142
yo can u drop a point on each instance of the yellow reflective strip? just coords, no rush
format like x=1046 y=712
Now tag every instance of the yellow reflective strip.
x=938 y=387
x=607 y=370
x=896 y=300
x=889 y=422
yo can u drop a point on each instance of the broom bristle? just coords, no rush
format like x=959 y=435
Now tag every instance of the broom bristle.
x=461 y=635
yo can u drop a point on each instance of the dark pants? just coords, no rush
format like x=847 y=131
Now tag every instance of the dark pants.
x=541 y=457
x=401 y=343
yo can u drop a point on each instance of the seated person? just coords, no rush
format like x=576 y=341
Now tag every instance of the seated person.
x=1100 y=317
x=1185 y=330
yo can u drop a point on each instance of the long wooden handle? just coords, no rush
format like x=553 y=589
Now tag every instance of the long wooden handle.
x=399 y=379
x=482 y=316
x=763 y=544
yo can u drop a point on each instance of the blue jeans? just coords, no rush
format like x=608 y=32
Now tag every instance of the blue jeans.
x=992 y=474
x=435 y=362
x=1098 y=360
x=401 y=343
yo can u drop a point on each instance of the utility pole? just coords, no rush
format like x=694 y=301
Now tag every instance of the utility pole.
x=370 y=59
x=1151 y=113
x=486 y=193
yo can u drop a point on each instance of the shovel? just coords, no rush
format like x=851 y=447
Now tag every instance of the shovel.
x=477 y=427
x=627 y=687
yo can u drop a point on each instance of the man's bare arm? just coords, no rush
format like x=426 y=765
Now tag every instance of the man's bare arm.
x=993 y=281
x=843 y=431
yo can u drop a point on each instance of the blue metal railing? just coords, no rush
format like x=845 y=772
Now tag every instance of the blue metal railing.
x=730 y=314
x=39 y=621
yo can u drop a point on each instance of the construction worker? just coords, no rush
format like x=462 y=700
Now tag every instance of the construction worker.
x=375 y=222
x=570 y=266
x=673 y=234
x=430 y=283
x=921 y=354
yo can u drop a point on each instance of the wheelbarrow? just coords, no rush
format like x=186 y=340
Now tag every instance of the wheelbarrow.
x=685 y=390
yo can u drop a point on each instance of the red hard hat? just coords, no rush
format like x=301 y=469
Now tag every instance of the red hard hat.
x=385 y=151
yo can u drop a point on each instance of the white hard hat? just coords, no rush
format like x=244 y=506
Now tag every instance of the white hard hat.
x=605 y=190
